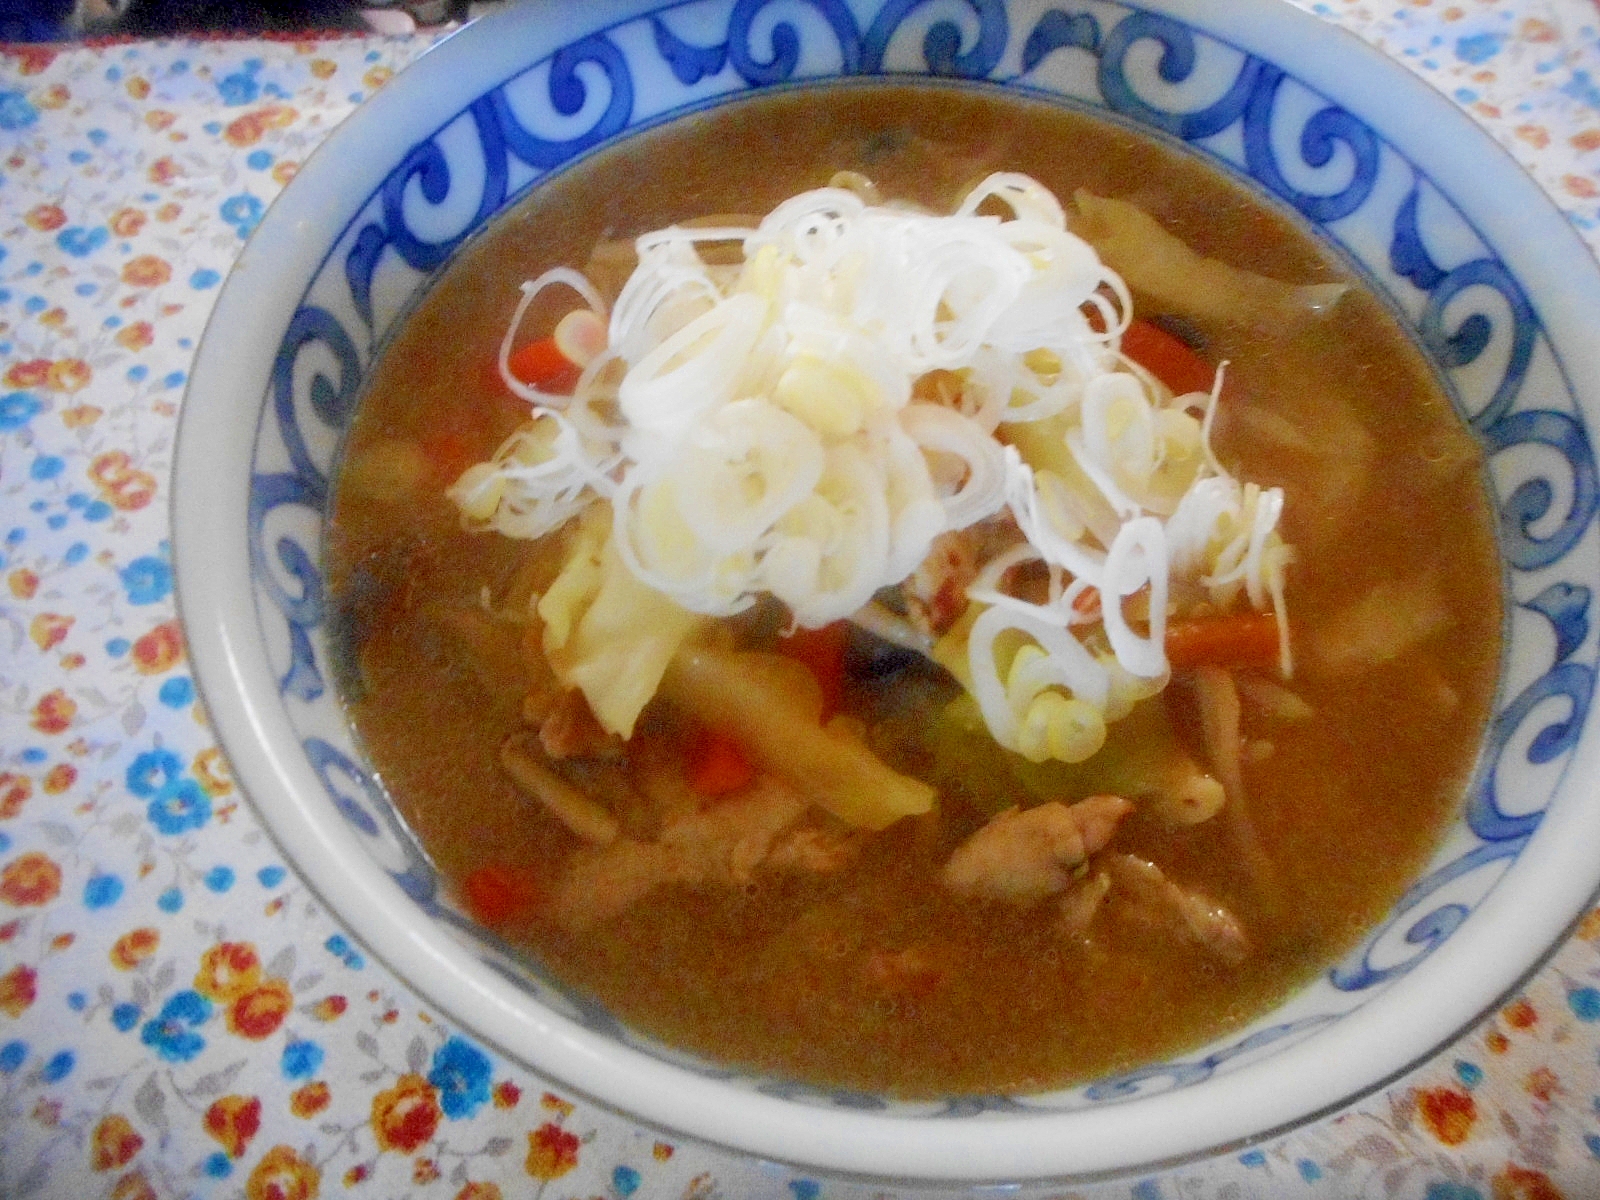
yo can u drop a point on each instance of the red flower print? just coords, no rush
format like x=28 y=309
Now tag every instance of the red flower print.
x=552 y=1151
x=253 y=126
x=1542 y=1084
x=68 y=375
x=23 y=583
x=506 y=1094
x=136 y=336
x=133 y=1186
x=158 y=119
x=1521 y=1183
x=137 y=86
x=114 y=1143
x=14 y=792
x=32 y=59
x=46 y=217
x=258 y=1013
x=1580 y=186
x=18 y=990
x=406 y=1115
x=310 y=1099
x=53 y=97
x=424 y=1170
x=80 y=415
x=329 y=1008
x=551 y=1102
x=228 y=970
x=283 y=1175
x=49 y=630
x=56 y=780
x=33 y=373
x=133 y=947
x=1449 y=1113
x=323 y=68
x=126 y=222
x=120 y=482
x=159 y=650
x=233 y=1121
x=147 y=270
x=480 y=1191
x=54 y=711
x=1520 y=1014
x=30 y=880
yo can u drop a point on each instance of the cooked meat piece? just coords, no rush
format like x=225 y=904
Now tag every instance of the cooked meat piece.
x=1026 y=854
x=719 y=844
x=570 y=730
x=1193 y=916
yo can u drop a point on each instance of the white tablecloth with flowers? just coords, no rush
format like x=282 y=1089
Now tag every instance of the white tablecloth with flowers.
x=178 y=1016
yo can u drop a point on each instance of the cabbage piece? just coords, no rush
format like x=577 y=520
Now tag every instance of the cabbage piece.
x=771 y=704
x=606 y=633
x=1151 y=260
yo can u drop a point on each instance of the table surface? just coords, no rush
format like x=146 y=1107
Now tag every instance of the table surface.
x=178 y=1014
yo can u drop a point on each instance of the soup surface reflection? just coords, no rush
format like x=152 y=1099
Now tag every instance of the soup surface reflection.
x=689 y=891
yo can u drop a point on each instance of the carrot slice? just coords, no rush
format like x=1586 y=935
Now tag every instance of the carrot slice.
x=541 y=364
x=1235 y=640
x=717 y=764
x=1170 y=359
x=499 y=892
x=821 y=651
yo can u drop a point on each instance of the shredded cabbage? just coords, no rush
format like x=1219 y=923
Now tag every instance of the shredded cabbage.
x=804 y=423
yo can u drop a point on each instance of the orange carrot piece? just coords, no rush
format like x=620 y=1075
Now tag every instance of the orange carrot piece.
x=541 y=364
x=1235 y=640
x=499 y=892
x=821 y=651
x=1168 y=358
x=717 y=764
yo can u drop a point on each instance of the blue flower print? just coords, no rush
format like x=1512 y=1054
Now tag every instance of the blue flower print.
x=125 y=1016
x=301 y=1060
x=15 y=111
x=147 y=580
x=241 y=87
x=80 y=242
x=461 y=1073
x=59 y=1067
x=243 y=212
x=180 y=807
x=1446 y=1190
x=102 y=891
x=171 y=1033
x=153 y=772
x=12 y=1055
x=17 y=409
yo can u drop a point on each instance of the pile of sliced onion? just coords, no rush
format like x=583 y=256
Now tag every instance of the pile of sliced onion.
x=758 y=428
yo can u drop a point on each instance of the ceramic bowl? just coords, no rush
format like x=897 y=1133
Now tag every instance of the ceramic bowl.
x=1493 y=283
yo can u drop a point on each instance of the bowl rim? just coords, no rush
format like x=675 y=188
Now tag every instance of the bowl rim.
x=1325 y=1072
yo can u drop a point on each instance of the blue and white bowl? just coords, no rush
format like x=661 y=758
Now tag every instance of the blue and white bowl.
x=1497 y=288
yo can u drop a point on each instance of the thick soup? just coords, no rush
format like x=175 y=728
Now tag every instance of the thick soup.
x=863 y=633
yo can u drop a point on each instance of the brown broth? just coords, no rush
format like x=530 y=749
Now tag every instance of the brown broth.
x=1348 y=804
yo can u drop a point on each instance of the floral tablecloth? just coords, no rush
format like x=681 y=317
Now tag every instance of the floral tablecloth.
x=178 y=1016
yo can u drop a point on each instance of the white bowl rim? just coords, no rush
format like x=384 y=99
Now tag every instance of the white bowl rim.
x=1321 y=1074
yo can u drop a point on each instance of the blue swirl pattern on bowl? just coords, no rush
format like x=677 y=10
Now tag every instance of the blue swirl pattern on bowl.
x=1395 y=226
